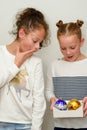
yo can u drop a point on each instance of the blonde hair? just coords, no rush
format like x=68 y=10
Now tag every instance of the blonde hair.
x=69 y=28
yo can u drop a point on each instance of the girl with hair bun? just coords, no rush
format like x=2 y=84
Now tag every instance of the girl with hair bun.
x=22 y=100
x=67 y=76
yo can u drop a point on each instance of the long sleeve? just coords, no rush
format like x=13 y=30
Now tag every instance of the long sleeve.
x=7 y=67
x=7 y=73
x=49 y=91
x=39 y=103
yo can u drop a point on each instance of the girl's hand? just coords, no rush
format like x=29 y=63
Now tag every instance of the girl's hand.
x=21 y=57
x=84 y=106
x=52 y=101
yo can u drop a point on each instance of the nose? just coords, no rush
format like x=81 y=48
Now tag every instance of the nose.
x=68 y=51
x=37 y=45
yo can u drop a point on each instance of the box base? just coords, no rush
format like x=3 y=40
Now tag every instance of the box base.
x=68 y=113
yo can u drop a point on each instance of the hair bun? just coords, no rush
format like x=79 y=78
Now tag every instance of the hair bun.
x=79 y=23
x=59 y=23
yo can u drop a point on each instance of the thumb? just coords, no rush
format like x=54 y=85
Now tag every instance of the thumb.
x=52 y=103
x=17 y=50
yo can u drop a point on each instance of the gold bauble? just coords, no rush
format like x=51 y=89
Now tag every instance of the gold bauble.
x=73 y=104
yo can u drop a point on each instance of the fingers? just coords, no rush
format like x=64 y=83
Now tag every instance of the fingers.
x=21 y=57
x=28 y=53
x=85 y=106
x=85 y=109
x=18 y=50
x=84 y=100
x=51 y=106
x=52 y=100
x=25 y=52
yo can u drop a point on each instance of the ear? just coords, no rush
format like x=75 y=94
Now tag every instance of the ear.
x=21 y=33
x=82 y=42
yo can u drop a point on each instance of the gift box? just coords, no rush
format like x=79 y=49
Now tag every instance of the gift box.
x=68 y=113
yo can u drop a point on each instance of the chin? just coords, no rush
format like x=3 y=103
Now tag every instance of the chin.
x=70 y=60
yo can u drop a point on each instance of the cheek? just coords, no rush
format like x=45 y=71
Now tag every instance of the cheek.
x=31 y=46
x=77 y=50
x=63 y=52
x=26 y=47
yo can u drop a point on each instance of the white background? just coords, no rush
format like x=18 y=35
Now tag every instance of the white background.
x=54 y=10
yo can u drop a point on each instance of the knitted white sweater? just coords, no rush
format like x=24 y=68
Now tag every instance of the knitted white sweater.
x=21 y=90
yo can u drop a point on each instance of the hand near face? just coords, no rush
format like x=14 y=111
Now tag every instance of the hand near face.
x=21 y=57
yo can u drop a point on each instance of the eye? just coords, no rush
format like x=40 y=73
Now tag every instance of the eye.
x=63 y=49
x=34 y=41
x=72 y=47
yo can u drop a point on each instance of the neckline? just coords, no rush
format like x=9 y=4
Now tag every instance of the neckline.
x=78 y=61
x=8 y=53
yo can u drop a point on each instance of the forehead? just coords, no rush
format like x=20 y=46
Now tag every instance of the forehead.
x=70 y=40
x=38 y=33
x=65 y=37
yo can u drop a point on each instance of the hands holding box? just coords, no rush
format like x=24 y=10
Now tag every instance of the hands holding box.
x=72 y=108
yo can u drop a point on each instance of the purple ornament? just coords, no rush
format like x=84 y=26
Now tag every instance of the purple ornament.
x=61 y=104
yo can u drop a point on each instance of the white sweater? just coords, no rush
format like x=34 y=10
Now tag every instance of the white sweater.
x=70 y=79
x=21 y=90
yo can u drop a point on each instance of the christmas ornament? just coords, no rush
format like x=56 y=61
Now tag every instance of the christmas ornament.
x=73 y=104
x=61 y=104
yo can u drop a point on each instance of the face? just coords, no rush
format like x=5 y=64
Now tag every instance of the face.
x=32 y=40
x=70 y=47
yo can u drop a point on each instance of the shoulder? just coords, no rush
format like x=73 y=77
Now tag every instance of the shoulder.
x=2 y=50
x=57 y=62
x=54 y=65
x=2 y=47
x=33 y=61
x=34 y=64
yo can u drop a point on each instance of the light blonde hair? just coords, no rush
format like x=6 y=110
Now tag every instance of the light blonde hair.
x=69 y=28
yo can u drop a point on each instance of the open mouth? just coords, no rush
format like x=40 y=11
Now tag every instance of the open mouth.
x=69 y=57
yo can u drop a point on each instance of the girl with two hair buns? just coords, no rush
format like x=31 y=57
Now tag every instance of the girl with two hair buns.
x=67 y=76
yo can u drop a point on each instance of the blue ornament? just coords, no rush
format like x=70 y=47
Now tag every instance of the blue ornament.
x=61 y=104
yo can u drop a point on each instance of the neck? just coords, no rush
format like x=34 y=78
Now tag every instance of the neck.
x=12 y=48
x=81 y=57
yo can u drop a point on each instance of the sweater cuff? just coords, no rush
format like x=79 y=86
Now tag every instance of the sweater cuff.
x=13 y=70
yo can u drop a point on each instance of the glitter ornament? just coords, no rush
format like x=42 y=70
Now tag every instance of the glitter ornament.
x=61 y=104
x=73 y=104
